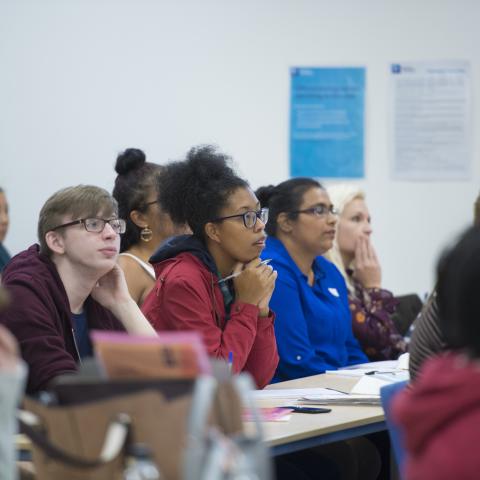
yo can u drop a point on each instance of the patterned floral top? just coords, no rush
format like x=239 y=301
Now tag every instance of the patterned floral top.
x=373 y=327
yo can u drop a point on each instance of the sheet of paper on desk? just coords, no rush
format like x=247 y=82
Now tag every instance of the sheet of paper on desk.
x=343 y=400
x=390 y=364
x=362 y=368
x=369 y=385
x=391 y=370
x=296 y=393
x=320 y=396
x=369 y=394
x=403 y=361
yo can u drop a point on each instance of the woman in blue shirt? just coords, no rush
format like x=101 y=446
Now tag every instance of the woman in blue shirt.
x=313 y=324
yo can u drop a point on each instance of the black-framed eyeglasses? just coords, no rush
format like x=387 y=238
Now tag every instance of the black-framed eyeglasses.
x=320 y=210
x=249 y=218
x=96 y=225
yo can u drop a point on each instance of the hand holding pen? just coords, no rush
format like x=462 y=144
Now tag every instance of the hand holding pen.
x=237 y=273
x=254 y=282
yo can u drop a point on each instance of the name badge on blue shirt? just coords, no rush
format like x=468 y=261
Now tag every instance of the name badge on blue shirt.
x=333 y=291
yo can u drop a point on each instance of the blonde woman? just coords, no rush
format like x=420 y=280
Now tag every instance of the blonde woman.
x=371 y=306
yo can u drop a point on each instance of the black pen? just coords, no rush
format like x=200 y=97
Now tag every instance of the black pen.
x=374 y=372
x=337 y=390
x=302 y=409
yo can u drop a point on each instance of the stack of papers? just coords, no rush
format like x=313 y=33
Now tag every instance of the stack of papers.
x=371 y=378
x=345 y=399
x=335 y=397
x=320 y=396
x=293 y=393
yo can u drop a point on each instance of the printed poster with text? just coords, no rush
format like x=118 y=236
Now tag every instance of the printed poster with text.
x=431 y=121
x=327 y=122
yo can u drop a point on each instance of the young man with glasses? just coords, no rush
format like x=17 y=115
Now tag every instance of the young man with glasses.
x=69 y=284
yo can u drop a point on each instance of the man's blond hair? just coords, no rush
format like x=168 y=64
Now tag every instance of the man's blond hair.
x=81 y=201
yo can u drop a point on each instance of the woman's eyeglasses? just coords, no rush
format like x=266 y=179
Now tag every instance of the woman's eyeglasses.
x=320 y=210
x=97 y=225
x=249 y=218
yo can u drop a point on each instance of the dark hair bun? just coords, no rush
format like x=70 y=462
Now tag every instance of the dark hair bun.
x=264 y=194
x=130 y=159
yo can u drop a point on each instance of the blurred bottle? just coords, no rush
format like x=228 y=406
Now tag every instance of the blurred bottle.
x=141 y=465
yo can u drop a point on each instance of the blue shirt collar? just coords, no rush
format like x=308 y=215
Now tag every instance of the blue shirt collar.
x=275 y=245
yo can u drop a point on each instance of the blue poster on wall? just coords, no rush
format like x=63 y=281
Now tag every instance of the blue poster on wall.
x=327 y=122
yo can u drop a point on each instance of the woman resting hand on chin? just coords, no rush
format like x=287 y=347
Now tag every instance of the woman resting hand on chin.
x=353 y=254
x=228 y=235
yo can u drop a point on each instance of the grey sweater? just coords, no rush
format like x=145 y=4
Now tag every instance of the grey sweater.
x=427 y=338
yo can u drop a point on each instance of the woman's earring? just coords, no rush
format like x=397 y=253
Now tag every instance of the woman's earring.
x=146 y=234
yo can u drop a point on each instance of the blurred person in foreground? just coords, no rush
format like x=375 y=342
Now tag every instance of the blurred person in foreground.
x=12 y=382
x=440 y=413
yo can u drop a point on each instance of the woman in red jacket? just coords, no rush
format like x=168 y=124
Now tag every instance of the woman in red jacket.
x=228 y=236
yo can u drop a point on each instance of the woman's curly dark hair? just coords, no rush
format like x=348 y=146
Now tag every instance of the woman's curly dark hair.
x=136 y=177
x=285 y=197
x=193 y=191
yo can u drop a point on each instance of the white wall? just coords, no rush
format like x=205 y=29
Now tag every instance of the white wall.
x=81 y=80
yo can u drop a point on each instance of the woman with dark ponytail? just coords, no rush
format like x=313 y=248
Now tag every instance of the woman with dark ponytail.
x=313 y=325
x=194 y=290
x=147 y=224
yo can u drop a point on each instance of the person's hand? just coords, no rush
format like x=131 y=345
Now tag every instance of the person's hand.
x=9 y=356
x=112 y=293
x=264 y=303
x=367 y=268
x=255 y=283
x=111 y=290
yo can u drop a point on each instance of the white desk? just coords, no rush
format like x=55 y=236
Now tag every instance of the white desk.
x=310 y=430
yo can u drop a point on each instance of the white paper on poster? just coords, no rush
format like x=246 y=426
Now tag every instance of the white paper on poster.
x=431 y=120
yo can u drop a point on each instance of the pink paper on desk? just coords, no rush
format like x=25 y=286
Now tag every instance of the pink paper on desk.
x=169 y=355
x=269 y=414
